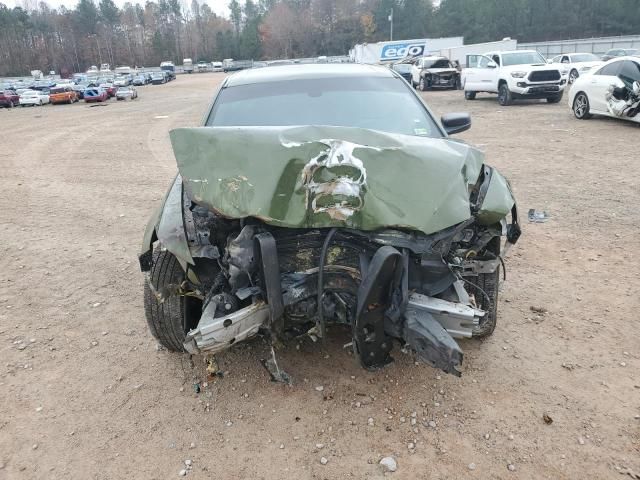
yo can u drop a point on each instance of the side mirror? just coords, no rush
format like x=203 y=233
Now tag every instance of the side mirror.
x=456 y=122
x=492 y=64
x=549 y=60
x=636 y=87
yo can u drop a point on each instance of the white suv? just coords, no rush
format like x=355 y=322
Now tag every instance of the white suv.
x=512 y=75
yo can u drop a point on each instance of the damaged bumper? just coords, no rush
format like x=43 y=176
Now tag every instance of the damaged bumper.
x=362 y=253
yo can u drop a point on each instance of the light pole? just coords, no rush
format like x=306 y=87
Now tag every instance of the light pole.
x=391 y=24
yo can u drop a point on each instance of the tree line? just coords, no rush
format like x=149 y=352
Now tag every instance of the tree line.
x=94 y=32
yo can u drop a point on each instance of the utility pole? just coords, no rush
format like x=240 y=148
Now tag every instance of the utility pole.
x=391 y=23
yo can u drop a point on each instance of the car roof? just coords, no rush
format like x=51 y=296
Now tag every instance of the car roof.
x=306 y=71
x=622 y=58
x=502 y=52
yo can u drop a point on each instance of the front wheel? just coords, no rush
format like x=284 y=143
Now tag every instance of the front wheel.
x=504 y=95
x=581 y=106
x=422 y=86
x=573 y=76
x=484 y=289
x=469 y=95
x=169 y=315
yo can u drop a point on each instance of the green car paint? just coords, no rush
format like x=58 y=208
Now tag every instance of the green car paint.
x=497 y=202
x=167 y=225
x=317 y=177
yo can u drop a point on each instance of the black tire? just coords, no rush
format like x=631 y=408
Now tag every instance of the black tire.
x=489 y=283
x=10 y=104
x=469 y=95
x=422 y=86
x=457 y=84
x=581 y=107
x=555 y=98
x=169 y=320
x=504 y=95
x=573 y=76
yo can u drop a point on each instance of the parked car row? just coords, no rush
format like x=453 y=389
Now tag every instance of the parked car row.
x=65 y=94
x=610 y=88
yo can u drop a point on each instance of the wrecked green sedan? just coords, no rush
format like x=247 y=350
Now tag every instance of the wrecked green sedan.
x=327 y=194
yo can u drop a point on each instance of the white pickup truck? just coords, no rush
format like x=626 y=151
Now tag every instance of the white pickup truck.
x=512 y=75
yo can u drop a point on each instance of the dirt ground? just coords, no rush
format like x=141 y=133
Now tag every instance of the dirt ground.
x=85 y=393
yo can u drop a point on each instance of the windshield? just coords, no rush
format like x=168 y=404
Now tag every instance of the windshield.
x=584 y=57
x=402 y=67
x=440 y=63
x=521 y=58
x=375 y=103
x=632 y=51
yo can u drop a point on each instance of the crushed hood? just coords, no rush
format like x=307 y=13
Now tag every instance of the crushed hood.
x=313 y=177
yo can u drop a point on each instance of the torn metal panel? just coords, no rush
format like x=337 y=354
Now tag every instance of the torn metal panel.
x=498 y=200
x=170 y=229
x=432 y=343
x=313 y=177
x=214 y=334
x=456 y=318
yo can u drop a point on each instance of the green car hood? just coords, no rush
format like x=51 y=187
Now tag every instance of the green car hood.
x=311 y=177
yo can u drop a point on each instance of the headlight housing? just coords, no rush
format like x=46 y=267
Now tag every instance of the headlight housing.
x=518 y=74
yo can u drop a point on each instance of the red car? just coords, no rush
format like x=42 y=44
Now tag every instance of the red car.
x=95 y=94
x=9 y=99
x=110 y=88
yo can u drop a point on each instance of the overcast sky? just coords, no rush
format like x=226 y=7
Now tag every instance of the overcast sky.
x=218 y=6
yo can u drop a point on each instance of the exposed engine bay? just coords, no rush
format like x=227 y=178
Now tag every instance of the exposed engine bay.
x=264 y=274
x=624 y=101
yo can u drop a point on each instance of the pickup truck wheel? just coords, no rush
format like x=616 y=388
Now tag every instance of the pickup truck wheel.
x=469 y=95
x=555 y=98
x=504 y=95
x=422 y=86
x=581 y=106
x=487 y=283
x=169 y=320
x=573 y=76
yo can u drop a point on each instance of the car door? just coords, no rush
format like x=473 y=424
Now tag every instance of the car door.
x=598 y=85
x=478 y=76
x=416 y=67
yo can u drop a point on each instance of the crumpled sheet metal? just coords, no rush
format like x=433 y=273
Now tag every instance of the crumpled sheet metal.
x=497 y=202
x=314 y=177
x=170 y=228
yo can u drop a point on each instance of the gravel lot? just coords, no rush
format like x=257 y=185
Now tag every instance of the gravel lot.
x=85 y=394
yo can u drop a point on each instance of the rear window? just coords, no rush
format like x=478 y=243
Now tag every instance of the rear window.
x=385 y=104
x=522 y=58
x=57 y=90
x=585 y=57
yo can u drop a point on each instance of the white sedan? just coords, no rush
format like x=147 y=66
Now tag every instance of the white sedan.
x=33 y=97
x=612 y=90
x=576 y=64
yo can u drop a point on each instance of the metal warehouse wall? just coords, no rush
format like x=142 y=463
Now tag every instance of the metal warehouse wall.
x=585 y=45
